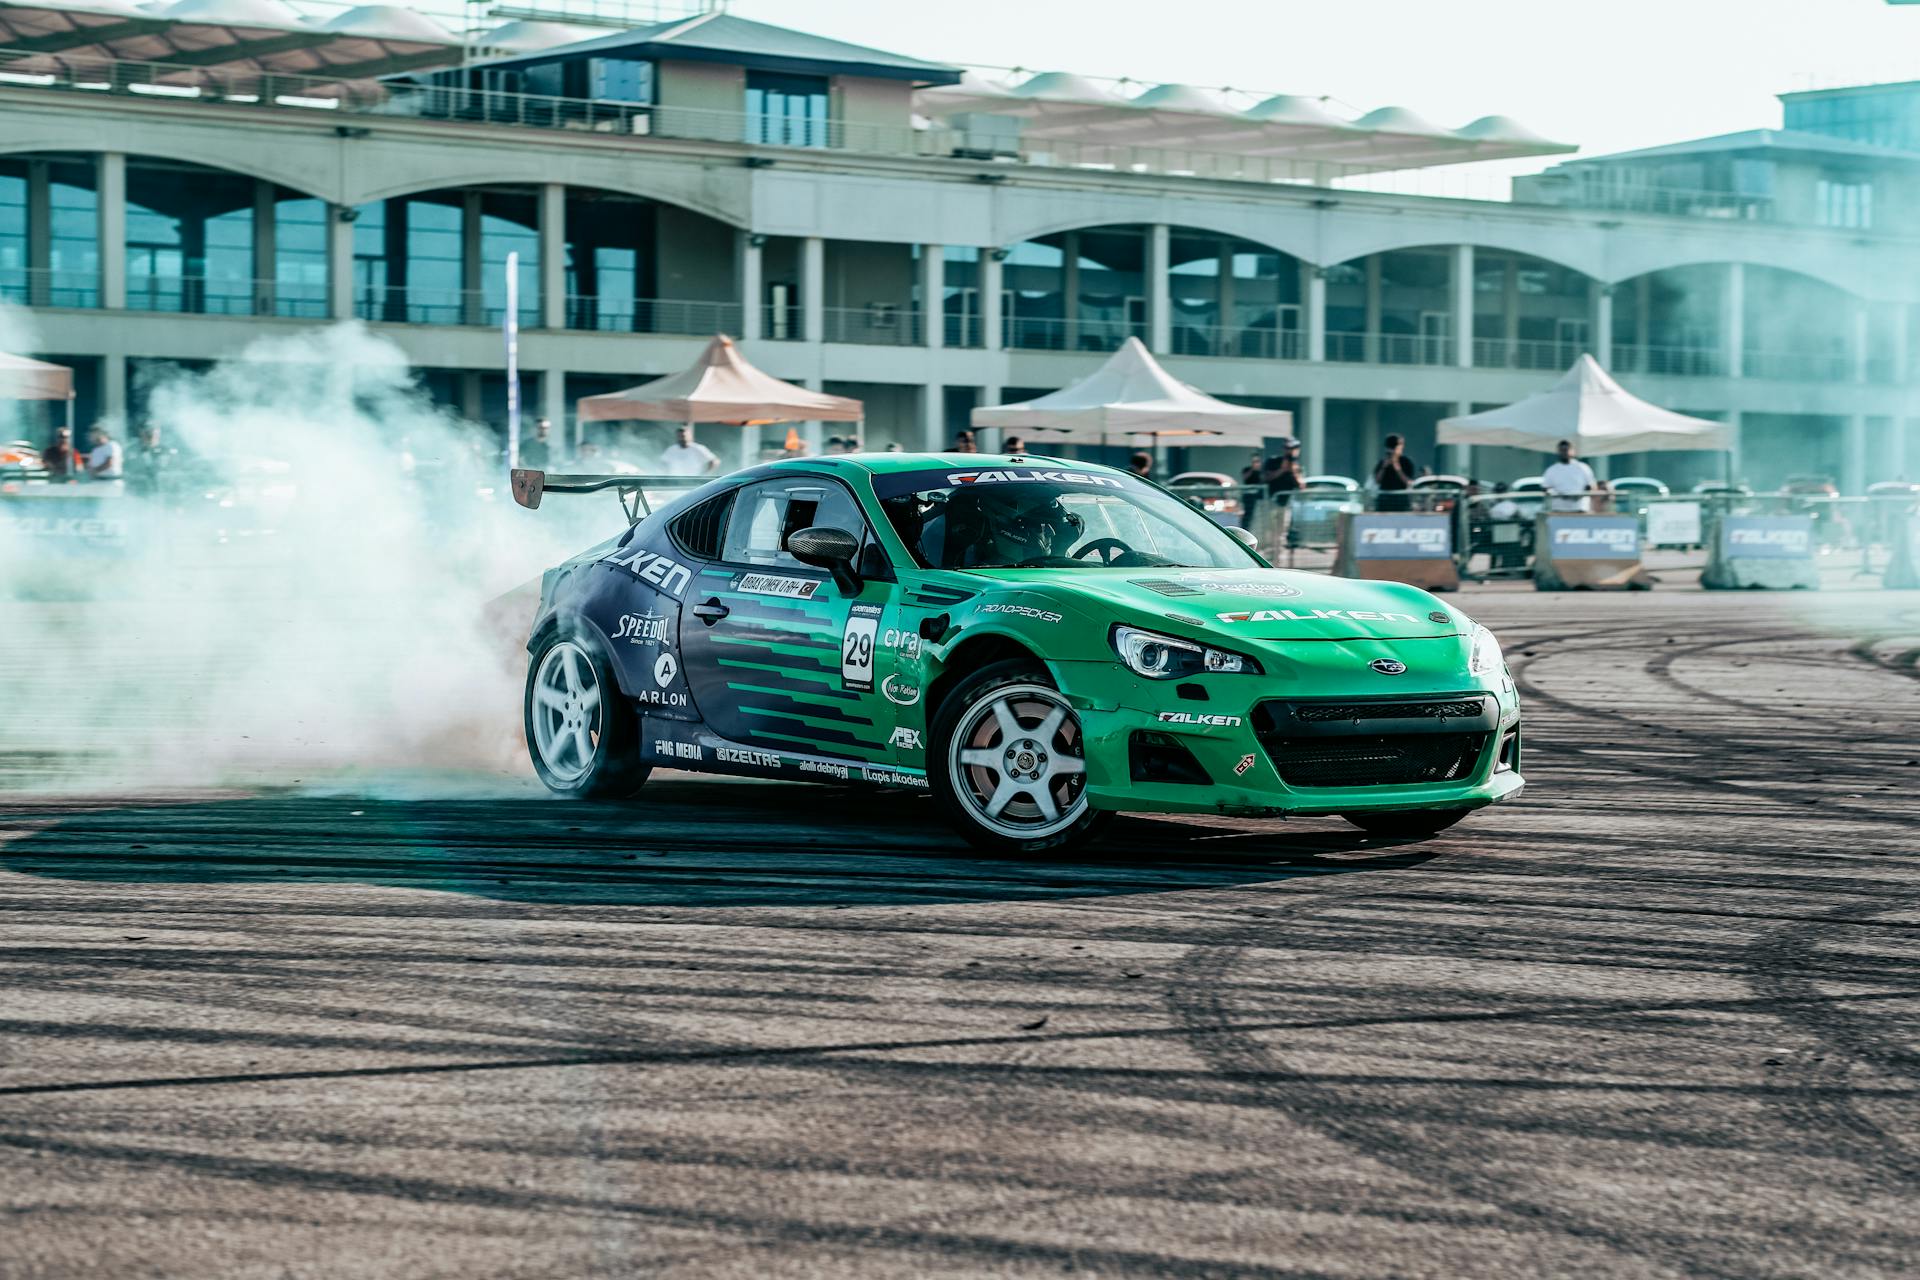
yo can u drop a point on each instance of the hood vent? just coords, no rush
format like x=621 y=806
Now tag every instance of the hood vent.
x=1166 y=587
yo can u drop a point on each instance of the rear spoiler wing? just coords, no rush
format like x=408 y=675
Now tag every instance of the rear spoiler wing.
x=529 y=486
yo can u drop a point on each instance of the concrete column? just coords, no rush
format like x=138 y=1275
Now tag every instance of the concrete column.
x=1224 y=343
x=1733 y=320
x=992 y=325
x=1460 y=456
x=1897 y=340
x=933 y=295
x=553 y=407
x=339 y=262
x=752 y=277
x=113 y=391
x=813 y=289
x=265 y=250
x=1736 y=463
x=1510 y=309
x=1159 y=288
x=111 y=184
x=1859 y=347
x=1603 y=324
x=1313 y=435
x=933 y=417
x=1370 y=341
x=1643 y=314
x=1070 y=291
x=472 y=309
x=1316 y=314
x=1853 y=456
x=1463 y=305
x=553 y=258
x=39 y=233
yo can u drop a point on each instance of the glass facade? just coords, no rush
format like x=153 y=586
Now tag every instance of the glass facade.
x=299 y=255
x=1880 y=115
x=190 y=241
x=408 y=259
x=1231 y=297
x=509 y=224
x=1077 y=290
x=610 y=261
x=786 y=111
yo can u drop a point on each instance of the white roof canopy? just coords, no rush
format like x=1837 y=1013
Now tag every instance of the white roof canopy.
x=1132 y=396
x=719 y=387
x=24 y=379
x=1589 y=408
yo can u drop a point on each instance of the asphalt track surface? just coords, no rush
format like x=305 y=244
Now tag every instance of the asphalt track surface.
x=1659 y=1018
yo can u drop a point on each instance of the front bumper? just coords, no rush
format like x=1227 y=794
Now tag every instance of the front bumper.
x=1261 y=746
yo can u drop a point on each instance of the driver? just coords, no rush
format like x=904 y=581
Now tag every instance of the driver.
x=999 y=526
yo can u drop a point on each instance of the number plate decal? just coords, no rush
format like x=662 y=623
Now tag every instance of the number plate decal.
x=856 y=647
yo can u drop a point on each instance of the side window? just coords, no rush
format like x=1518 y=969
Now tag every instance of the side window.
x=697 y=529
x=767 y=513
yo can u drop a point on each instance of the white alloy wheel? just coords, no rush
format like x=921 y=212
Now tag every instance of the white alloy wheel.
x=566 y=712
x=1017 y=764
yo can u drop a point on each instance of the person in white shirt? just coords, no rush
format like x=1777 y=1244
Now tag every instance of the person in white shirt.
x=1568 y=481
x=103 y=462
x=686 y=457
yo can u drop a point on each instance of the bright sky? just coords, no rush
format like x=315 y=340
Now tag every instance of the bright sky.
x=1609 y=75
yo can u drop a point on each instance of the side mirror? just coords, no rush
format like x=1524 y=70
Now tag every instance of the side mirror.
x=1243 y=537
x=827 y=548
x=528 y=485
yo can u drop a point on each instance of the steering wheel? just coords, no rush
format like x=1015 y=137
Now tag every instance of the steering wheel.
x=1108 y=549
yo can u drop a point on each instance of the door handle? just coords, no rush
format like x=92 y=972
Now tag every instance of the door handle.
x=711 y=612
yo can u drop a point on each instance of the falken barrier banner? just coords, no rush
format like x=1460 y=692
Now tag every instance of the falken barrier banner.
x=1397 y=546
x=1574 y=551
x=1767 y=553
x=58 y=539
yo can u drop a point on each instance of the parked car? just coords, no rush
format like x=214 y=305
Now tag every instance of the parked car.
x=1317 y=504
x=20 y=461
x=1439 y=493
x=1214 y=492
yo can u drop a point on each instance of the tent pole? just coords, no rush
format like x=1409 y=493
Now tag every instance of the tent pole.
x=70 y=399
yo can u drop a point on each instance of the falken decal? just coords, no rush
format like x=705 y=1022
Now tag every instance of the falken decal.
x=900 y=693
x=1314 y=615
x=1199 y=718
x=670 y=576
x=856 y=648
x=767 y=584
x=1017 y=476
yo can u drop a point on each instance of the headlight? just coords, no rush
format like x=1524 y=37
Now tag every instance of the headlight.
x=1484 y=658
x=1159 y=657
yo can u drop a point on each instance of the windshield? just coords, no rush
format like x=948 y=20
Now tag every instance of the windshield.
x=1049 y=518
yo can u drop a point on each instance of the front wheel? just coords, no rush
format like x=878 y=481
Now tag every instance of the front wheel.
x=1008 y=762
x=1407 y=824
x=582 y=732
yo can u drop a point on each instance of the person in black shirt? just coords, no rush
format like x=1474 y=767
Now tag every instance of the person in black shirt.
x=1394 y=476
x=536 y=453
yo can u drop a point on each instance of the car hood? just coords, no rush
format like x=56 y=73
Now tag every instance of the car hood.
x=1256 y=604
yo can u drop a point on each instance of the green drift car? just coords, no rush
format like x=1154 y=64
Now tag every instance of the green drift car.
x=1038 y=643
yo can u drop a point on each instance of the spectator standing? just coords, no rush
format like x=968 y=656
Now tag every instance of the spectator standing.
x=1141 y=464
x=1394 y=475
x=1013 y=445
x=963 y=443
x=687 y=456
x=1567 y=480
x=58 y=456
x=104 y=461
x=537 y=453
x=1283 y=481
x=148 y=463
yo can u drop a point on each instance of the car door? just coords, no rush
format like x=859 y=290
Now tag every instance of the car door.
x=777 y=655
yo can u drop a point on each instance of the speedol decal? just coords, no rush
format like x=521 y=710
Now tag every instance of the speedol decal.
x=641 y=628
x=767 y=584
x=670 y=576
x=856 y=648
x=1312 y=615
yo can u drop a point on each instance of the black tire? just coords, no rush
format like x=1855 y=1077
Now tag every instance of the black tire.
x=1030 y=693
x=1407 y=824
x=612 y=768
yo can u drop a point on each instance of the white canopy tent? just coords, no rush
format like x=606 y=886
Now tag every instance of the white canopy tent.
x=1132 y=399
x=1596 y=413
x=24 y=379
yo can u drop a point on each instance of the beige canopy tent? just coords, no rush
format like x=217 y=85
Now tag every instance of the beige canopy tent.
x=1593 y=411
x=1131 y=398
x=24 y=379
x=719 y=387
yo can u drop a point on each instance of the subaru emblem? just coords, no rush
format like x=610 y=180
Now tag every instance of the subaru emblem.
x=1387 y=666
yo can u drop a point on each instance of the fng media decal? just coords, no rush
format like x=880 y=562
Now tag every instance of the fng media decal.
x=856 y=648
x=766 y=584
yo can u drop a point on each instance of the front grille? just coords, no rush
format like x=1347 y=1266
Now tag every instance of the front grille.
x=1323 y=712
x=1390 y=760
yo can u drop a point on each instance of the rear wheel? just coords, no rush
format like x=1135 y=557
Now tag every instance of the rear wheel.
x=1407 y=824
x=1008 y=762
x=582 y=733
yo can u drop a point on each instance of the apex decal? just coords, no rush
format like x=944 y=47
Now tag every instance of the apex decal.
x=1025 y=476
x=1312 y=615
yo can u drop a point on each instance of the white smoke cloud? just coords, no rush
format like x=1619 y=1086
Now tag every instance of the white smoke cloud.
x=315 y=600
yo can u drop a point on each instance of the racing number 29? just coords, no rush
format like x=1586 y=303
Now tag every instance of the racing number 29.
x=856 y=647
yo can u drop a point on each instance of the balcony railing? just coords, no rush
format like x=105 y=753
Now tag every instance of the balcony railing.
x=418 y=304
x=964 y=330
x=1677 y=362
x=782 y=323
x=1034 y=333
x=1244 y=342
x=652 y=315
x=1525 y=353
x=48 y=287
x=1798 y=366
x=1604 y=191
x=1390 y=348
x=879 y=324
